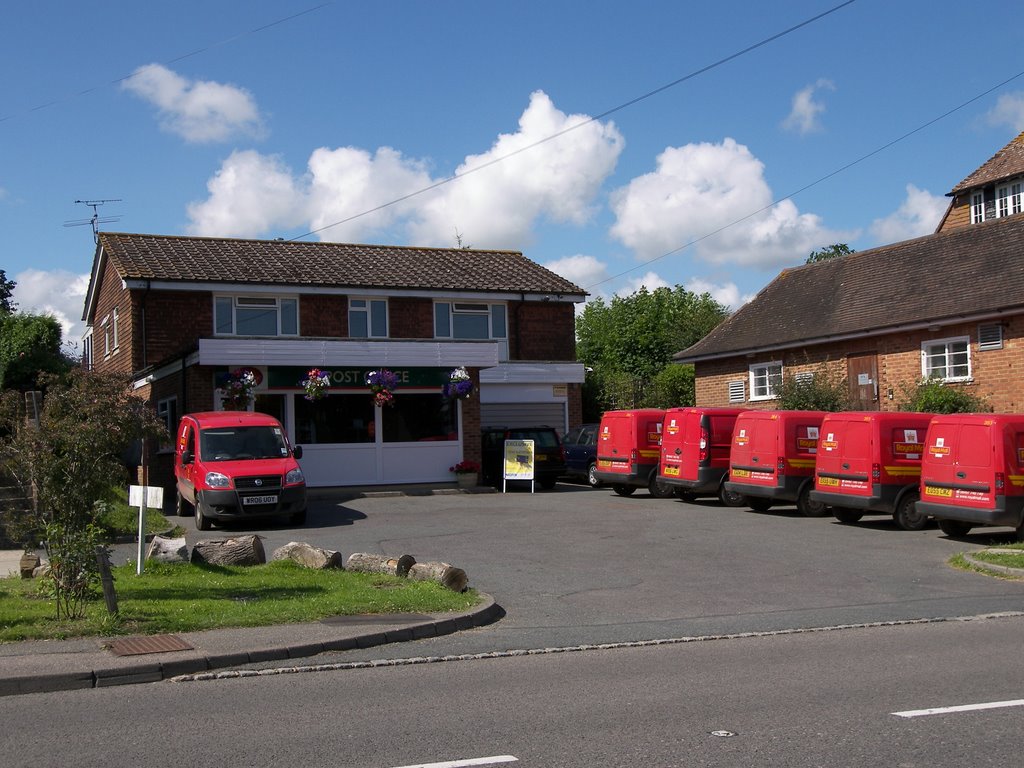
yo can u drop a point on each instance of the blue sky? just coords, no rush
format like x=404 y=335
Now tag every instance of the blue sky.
x=278 y=119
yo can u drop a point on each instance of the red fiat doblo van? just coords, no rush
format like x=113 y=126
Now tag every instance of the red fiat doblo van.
x=628 y=449
x=972 y=472
x=237 y=465
x=772 y=459
x=695 y=445
x=869 y=462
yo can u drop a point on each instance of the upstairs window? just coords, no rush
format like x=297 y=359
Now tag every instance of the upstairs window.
x=765 y=379
x=946 y=359
x=464 y=320
x=1009 y=199
x=977 y=208
x=367 y=318
x=255 y=316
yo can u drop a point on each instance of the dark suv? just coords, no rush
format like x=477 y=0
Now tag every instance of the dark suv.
x=548 y=456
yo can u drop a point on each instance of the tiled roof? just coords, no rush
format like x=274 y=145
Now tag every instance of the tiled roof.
x=962 y=272
x=1007 y=162
x=294 y=263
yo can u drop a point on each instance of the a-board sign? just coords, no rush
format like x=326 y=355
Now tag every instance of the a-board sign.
x=519 y=460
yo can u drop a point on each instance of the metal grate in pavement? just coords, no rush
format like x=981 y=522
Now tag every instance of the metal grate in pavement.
x=134 y=646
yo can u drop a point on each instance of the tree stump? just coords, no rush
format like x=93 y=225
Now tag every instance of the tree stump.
x=307 y=555
x=362 y=561
x=447 y=575
x=166 y=550
x=242 y=550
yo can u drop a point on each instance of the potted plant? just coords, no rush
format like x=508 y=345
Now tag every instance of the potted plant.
x=467 y=473
x=237 y=389
x=315 y=385
x=459 y=385
x=382 y=384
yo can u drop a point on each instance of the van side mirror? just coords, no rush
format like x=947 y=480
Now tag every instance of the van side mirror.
x=297 y=452
x=186 y=456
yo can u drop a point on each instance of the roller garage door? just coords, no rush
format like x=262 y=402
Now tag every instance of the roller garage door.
x=523 y=415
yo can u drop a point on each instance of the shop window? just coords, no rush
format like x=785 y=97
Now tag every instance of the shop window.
x=335 y=419
x=420 y=417
x=946 y=359
x=367 y=318
x=765 y=379
x=255 y=316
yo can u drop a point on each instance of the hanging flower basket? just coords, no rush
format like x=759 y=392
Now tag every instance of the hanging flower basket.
x=237 y=389
x=459 y=385
x=315 y=384
x=382 y=385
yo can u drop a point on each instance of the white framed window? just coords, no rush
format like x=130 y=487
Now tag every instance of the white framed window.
x=737 y=391
x=255 y=315
x=977 y=207
x=114 y=329
x=108 y=345
x=167 y=410
x=469 y=320
x=367 y=318
x=1009 y=199
x=990 y=336
x=765 y=379
x=947 y=359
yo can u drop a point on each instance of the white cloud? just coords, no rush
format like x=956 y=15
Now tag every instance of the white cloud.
x=495 y=207
x=918 y=215
x=651 y=281
x=805 y=115
x=58 y=293
x=199 y=111
x=1009 y=110
x=715 y=197
x=586 y=271
x=727 y=294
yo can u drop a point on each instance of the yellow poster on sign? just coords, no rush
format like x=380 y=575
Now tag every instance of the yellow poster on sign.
x=519 y=459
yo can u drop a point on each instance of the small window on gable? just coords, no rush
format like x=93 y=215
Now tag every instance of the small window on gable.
x=737 y=391
x=114 y=329
x=977 y=208
x=990 y=336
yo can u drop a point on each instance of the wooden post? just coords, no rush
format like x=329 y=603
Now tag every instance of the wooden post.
x=107 y=578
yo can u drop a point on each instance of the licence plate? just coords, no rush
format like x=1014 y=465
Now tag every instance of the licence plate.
x=828 y=481
x=943 y=492
x=540 y=457
x=670 y=472
x=248 y=500
x=739 y=473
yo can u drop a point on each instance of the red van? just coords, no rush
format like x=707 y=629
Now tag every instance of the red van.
x=972 y=472
x=237 y=465
x=628 y=449
x=695 y=445
x=870 y=462
x=772 y=459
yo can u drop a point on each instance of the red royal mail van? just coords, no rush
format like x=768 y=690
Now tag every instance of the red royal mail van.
x=695 y=445
x=972 y=472
x=237 y=465
x=870 y=462
x=772 y=459
x=628 y=449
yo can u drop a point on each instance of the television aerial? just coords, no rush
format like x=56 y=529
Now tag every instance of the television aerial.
x=96 y=219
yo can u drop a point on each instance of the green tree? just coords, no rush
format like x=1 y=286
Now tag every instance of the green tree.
x=69 y=462
x=628 y=343
x=6 y=291
x=829 y=252
x=29 y=345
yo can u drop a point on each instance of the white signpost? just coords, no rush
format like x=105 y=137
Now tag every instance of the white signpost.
x=519 y=462
x=144 y=496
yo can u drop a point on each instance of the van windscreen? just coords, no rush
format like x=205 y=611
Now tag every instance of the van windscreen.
x=235 y=443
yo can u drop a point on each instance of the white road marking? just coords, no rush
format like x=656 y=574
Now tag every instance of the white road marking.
x=460 y=763
x=961 y=708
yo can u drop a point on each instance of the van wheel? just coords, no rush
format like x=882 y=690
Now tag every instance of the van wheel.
x=807 y=507
x=623 y=490
x=954 y=528
x=730 y=498
x=202 y=521
x=757 y=503
x=592 y=480
x=658 y=489
x=181 y=507
x=847 y=515
x=906 y=515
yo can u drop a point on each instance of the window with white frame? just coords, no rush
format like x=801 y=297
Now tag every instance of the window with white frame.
x=167 y=410
x=977 y=208
x=107 y=336
x=737 y=391
x=367 y=318
x=1009 y=199
x=946 y=359
x=469 y=320
x=255 y=316
x=765 y=379
x=114 y=329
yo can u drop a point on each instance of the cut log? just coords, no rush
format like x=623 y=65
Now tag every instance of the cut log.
x=395 y=566
x=307 y=555
x=242 y=550
x=447 y=575
x=166 y=550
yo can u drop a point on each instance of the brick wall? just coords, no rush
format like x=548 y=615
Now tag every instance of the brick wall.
x=174 y=321
x=110 y=297
x=323 y=315
x=542 y=331
x=410 y=318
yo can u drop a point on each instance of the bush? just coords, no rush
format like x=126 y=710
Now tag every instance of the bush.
x=934 y=396
x=824 y=390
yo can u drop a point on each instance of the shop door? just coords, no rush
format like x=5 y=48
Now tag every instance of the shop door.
x=862 y=373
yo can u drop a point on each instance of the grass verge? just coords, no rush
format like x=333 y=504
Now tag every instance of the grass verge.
x=186 y=597
x=1008 y=555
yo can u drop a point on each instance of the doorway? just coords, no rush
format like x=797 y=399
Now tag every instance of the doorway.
x=862 y=374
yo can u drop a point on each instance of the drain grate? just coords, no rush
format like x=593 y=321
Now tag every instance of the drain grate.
x=134 y=646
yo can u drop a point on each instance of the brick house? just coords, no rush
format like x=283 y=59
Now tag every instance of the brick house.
x=178 y=314
x=950 y=305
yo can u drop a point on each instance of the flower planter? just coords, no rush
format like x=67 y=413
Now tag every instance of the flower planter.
x=466 y=479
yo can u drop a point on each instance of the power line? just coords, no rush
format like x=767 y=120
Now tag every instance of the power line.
x=176 y=59
x=814 y=183
x=583 y=123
